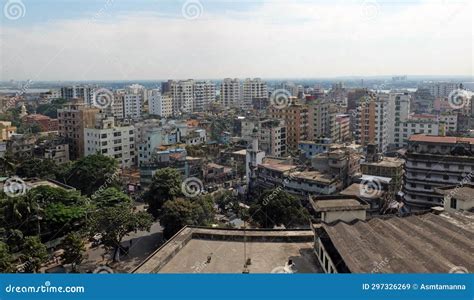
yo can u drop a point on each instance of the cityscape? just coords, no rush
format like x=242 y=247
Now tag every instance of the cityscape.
x=236 y=171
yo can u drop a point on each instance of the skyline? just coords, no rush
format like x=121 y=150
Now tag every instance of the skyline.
x=115 y=40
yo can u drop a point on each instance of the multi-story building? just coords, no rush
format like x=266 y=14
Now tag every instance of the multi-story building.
x=271 y=137
x=295 y=117
x=73 y=118
x=318 y=119
x=343 y=128
x=182 y=93
x=132 y=105
x=434 y=162
x=160 y=104
x=398 y=111
x=442 y=89
x=448 y=122
x=311 y=148
x=86 y=93
x=45 y=123
x=371 y=121
x=417 y=124
x=252 y=89
x=204 y=95
x=230 y=93
x=112 y=141
x=56 y=149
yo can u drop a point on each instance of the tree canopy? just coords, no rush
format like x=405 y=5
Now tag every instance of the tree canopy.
x=166 y=185
x=277 y=207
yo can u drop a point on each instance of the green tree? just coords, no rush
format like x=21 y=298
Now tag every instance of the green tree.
x=166 y=185
x=42 y=168
x=181 y=212
x=277 y=207
x=90 y=173
x=21 y=211
x=74 y=250
x=114 y=223
x=6 y=259
x=34 y=254
x=51 y=109
x=110 y=197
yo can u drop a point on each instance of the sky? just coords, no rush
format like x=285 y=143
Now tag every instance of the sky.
x=178 y=39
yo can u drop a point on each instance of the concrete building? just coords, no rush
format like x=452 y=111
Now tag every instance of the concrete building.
x=204 y=95
x=310 y=148
x=458 y=197
x=318 y=119
x=182 y=93
x=295 y=117
x=45 y=123
x=112 y=141
x=435 y=162
x=417 y=124
x=231 y=93
x=253 y=89
x=442 y=89
x=371 y=121
x=132 y=105
x=86 y=93
x=398 y=111
x=56 y=149
x=253 y=158
x=73 y=118
x=271 y=137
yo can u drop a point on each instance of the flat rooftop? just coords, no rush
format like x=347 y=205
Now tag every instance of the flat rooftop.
x=386 y=162
x=358 y=190
x=278 y=167
x=440 y=139
x=424 y=243
x=268 y=250
x=461 y=192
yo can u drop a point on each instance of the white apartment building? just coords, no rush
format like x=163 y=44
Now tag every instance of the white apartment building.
x=442 y=89
x=78 y=92
x=160 y=105
x=253 y=89
x=204 y=94
x=182 y=93
x=434 y=162
x=132 y=106
x=449 y=121
x=416 y=125
x=230 y=93
x=398 y=112
x=111 y=141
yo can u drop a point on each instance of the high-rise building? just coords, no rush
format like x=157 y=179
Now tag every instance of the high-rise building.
x=318 y=119
x=109 y=140
x=252 y=89
x=230 y=93
x=204 y=95
x=160 y=105
x=434 y=162
x=271 y=135
x=73 y=118
x=398 y=111
x=295 y=117
x=371 y=121
x=182 y=93
x=442 y=89
x=86 y=93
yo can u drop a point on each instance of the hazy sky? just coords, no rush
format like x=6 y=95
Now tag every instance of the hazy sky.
x=156 y=39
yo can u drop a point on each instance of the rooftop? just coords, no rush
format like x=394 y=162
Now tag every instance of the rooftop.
x=337 y=203
x=269 y=251
x=387 y=162
x=278 y=167
x=358 y=190
x=424 y=243
x=440 y=139
x=461 y=192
